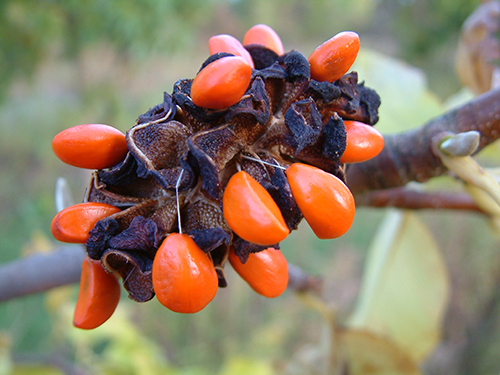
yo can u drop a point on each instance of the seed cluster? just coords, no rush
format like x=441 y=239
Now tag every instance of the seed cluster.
x=223 y=169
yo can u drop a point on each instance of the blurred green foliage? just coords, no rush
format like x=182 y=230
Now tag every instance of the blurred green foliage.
x=67 y=62
x=32 y=31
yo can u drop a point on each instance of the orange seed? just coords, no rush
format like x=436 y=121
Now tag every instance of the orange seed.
x=251 y=212
x=90 y=146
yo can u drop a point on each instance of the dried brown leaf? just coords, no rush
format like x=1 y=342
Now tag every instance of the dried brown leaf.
x=478 y=49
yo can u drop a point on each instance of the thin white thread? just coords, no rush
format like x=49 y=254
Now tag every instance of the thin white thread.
x=263 y=162
x=177 y=200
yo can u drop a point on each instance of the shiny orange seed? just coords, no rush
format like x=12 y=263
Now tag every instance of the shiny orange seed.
x=90 y=146
x=334 y=58
x=184 y=278
x=325 y=201
x=251 y=212
x=74 y=223
x=98 y=296
x=221 y=83
x=229 y=44
x=363 y=142
x=265 y=36
x=266 y=271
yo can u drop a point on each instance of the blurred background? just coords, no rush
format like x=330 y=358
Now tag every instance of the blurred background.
x=69 y=62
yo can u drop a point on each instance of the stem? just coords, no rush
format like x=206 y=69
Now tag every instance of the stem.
x=263 y=162
x=177 y=201
x=409 y=156
x=299 y=281
x=413 y=199
x=41 y=272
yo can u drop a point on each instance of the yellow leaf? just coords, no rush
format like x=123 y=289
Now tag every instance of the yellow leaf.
x=405 y=290
x=369 y=354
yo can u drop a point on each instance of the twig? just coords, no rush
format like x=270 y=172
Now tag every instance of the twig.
x=299 y=281
x=413 y=199
x=409 y=156
x=41 y=272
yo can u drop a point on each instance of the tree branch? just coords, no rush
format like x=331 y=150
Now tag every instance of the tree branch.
x=299 y=281
x=41 y=272
x=413 y=199
x=408 y=156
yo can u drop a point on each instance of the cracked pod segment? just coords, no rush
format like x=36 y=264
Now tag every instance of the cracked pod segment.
x=177 y=176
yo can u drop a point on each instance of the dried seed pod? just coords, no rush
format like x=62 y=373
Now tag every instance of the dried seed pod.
x=325 y=201
x=98 y=296
x=251 y=212
x=222 y=83
x=90 y=146
x=74 y=223
x=184 y=278
x=229 y=44
x=282 y=115
x=334 y=58
x=266 y=271
x=264 y=35
x=363 y=142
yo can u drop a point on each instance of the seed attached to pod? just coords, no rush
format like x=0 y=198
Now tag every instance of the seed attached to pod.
x=184 y=278
x=363 y=142
x=229 y=44
x=90 y=146
x=325 y=201
x=74 y=223
x=221 y=83
x=334 y=58
x=265 y=271
x=251 y=212
x=265 y=36
x=98 y=296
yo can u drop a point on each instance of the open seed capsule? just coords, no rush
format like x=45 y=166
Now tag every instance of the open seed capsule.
x=363 y=142
x=251 y=212
x=265 y=271
x=74 y=223
x=98 y=296
x=184 y=278
x=334 y=58
x=221 y=83
x=325 y=201
x=90 y=146
x=265 y=36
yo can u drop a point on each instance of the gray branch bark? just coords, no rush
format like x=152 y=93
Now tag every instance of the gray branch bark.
x=41 y=272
